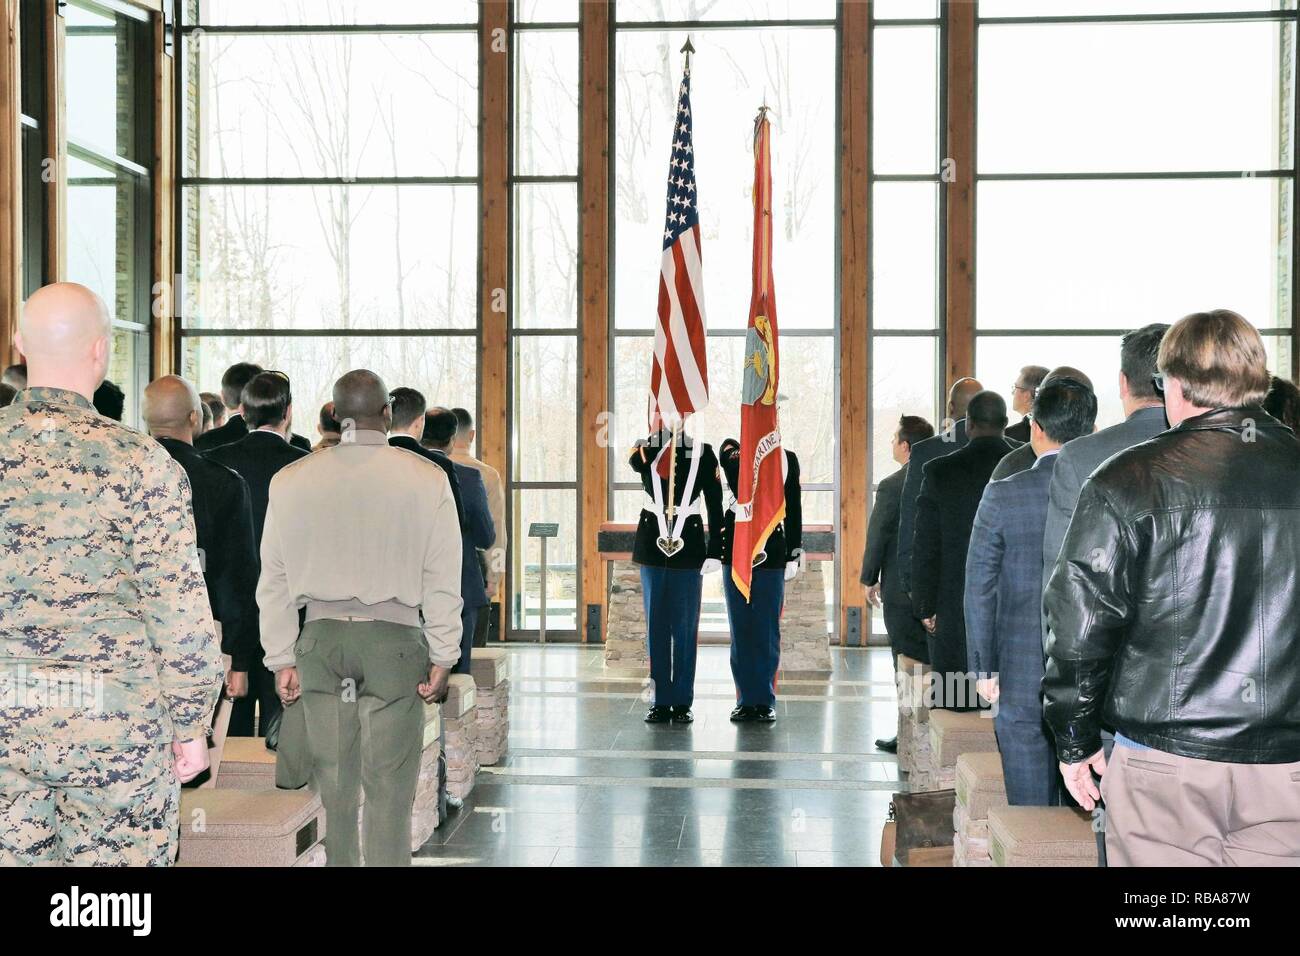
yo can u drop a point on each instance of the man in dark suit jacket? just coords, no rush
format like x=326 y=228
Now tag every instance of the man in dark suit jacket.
x=945 y=512
x=1003 y=599
x=413 y=421
x=1144 y=417
x=880 y=558
x=268 y=405
x=1022 y=400
x=235 y=427
x=1022 y=458
x=951 y=437
x=223 y=524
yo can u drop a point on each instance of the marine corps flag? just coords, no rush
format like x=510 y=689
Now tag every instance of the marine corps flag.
x=760 y=500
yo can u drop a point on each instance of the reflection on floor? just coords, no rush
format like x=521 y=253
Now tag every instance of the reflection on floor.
x=587 y=783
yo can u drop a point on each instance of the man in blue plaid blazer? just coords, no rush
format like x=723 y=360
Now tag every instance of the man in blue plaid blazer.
x=1004 y=595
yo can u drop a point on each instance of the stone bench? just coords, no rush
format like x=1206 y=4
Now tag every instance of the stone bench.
x=913 y=716
x=460 y=734
x=246 y=764
x=492 y=704
x=251 y=828
x=1041 y=836
x=980 y=787
x=952 y=733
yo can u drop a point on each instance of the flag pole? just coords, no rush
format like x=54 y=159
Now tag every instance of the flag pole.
x=687 y=49
x=672 y=475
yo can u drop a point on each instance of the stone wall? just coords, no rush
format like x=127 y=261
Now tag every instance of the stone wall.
x=625 y=635
x=805 y=641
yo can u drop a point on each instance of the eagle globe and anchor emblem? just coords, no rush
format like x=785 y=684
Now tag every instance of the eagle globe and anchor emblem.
x=760 y=359
x=759 y=387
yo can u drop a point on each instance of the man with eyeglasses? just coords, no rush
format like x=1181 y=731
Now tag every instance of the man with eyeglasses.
x=1022 y=400
x=267 y=403
x=379 y=584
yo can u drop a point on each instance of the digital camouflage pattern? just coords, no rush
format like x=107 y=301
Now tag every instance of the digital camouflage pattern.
x=70 y=805
x=107 y=646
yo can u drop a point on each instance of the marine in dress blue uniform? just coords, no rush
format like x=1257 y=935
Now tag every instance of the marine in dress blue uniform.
x=673 y=558
x=756 y=623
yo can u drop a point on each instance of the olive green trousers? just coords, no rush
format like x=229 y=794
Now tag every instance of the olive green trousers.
x=365 y=731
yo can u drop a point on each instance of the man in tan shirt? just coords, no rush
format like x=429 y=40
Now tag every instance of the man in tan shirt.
x=355 y=536
x=495 y=556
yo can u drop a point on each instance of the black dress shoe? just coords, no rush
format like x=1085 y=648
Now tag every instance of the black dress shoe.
x=889 y=746
x=682 y=715
x=743 y=713
x=765 y=715
x=659 y=714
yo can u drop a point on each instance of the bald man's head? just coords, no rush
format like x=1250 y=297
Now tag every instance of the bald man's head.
x=172 y=408
x=362 y=397
x=65 y=333
x=959 y=396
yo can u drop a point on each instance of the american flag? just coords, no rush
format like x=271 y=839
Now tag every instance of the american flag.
x=679 y=378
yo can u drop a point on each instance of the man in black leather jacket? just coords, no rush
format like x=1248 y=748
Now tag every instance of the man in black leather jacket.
x=1173 y=610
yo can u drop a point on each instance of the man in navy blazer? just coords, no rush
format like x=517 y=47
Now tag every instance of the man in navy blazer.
x=428 y=432
x=477 y=533
x=951 y=437
x=1003 y=594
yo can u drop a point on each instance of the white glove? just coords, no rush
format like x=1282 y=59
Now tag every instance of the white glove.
x=794 y=565
x=710 y=565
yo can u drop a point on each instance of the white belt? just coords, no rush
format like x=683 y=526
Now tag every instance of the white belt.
x=648 y=504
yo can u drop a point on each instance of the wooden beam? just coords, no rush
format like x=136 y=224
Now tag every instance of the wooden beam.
x=164 y=225
x=959 y=191
x=593 y=340
x=11 y=165
x=55 y=123
x=854 y=318
x=495 y=41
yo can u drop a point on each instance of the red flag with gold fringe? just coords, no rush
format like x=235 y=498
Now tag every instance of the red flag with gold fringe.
x=760 y=491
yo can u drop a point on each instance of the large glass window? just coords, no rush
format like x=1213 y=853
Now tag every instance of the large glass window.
x=109 y=95
x=329 y=215
x=546 y=354
x=790 y=67
x=906 y=286
x=1146 y=172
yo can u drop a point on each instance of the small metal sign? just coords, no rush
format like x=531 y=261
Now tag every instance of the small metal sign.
x=543 y=529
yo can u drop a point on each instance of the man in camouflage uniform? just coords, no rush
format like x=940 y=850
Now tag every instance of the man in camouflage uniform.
x=109 y=664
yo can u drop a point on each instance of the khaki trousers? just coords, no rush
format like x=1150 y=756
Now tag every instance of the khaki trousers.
x=1167 y=810
x=365 y=731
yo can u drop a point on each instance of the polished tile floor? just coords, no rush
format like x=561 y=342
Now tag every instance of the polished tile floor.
x=587 y=783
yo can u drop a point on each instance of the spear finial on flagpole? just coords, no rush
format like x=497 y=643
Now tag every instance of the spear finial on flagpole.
x=688 y=48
